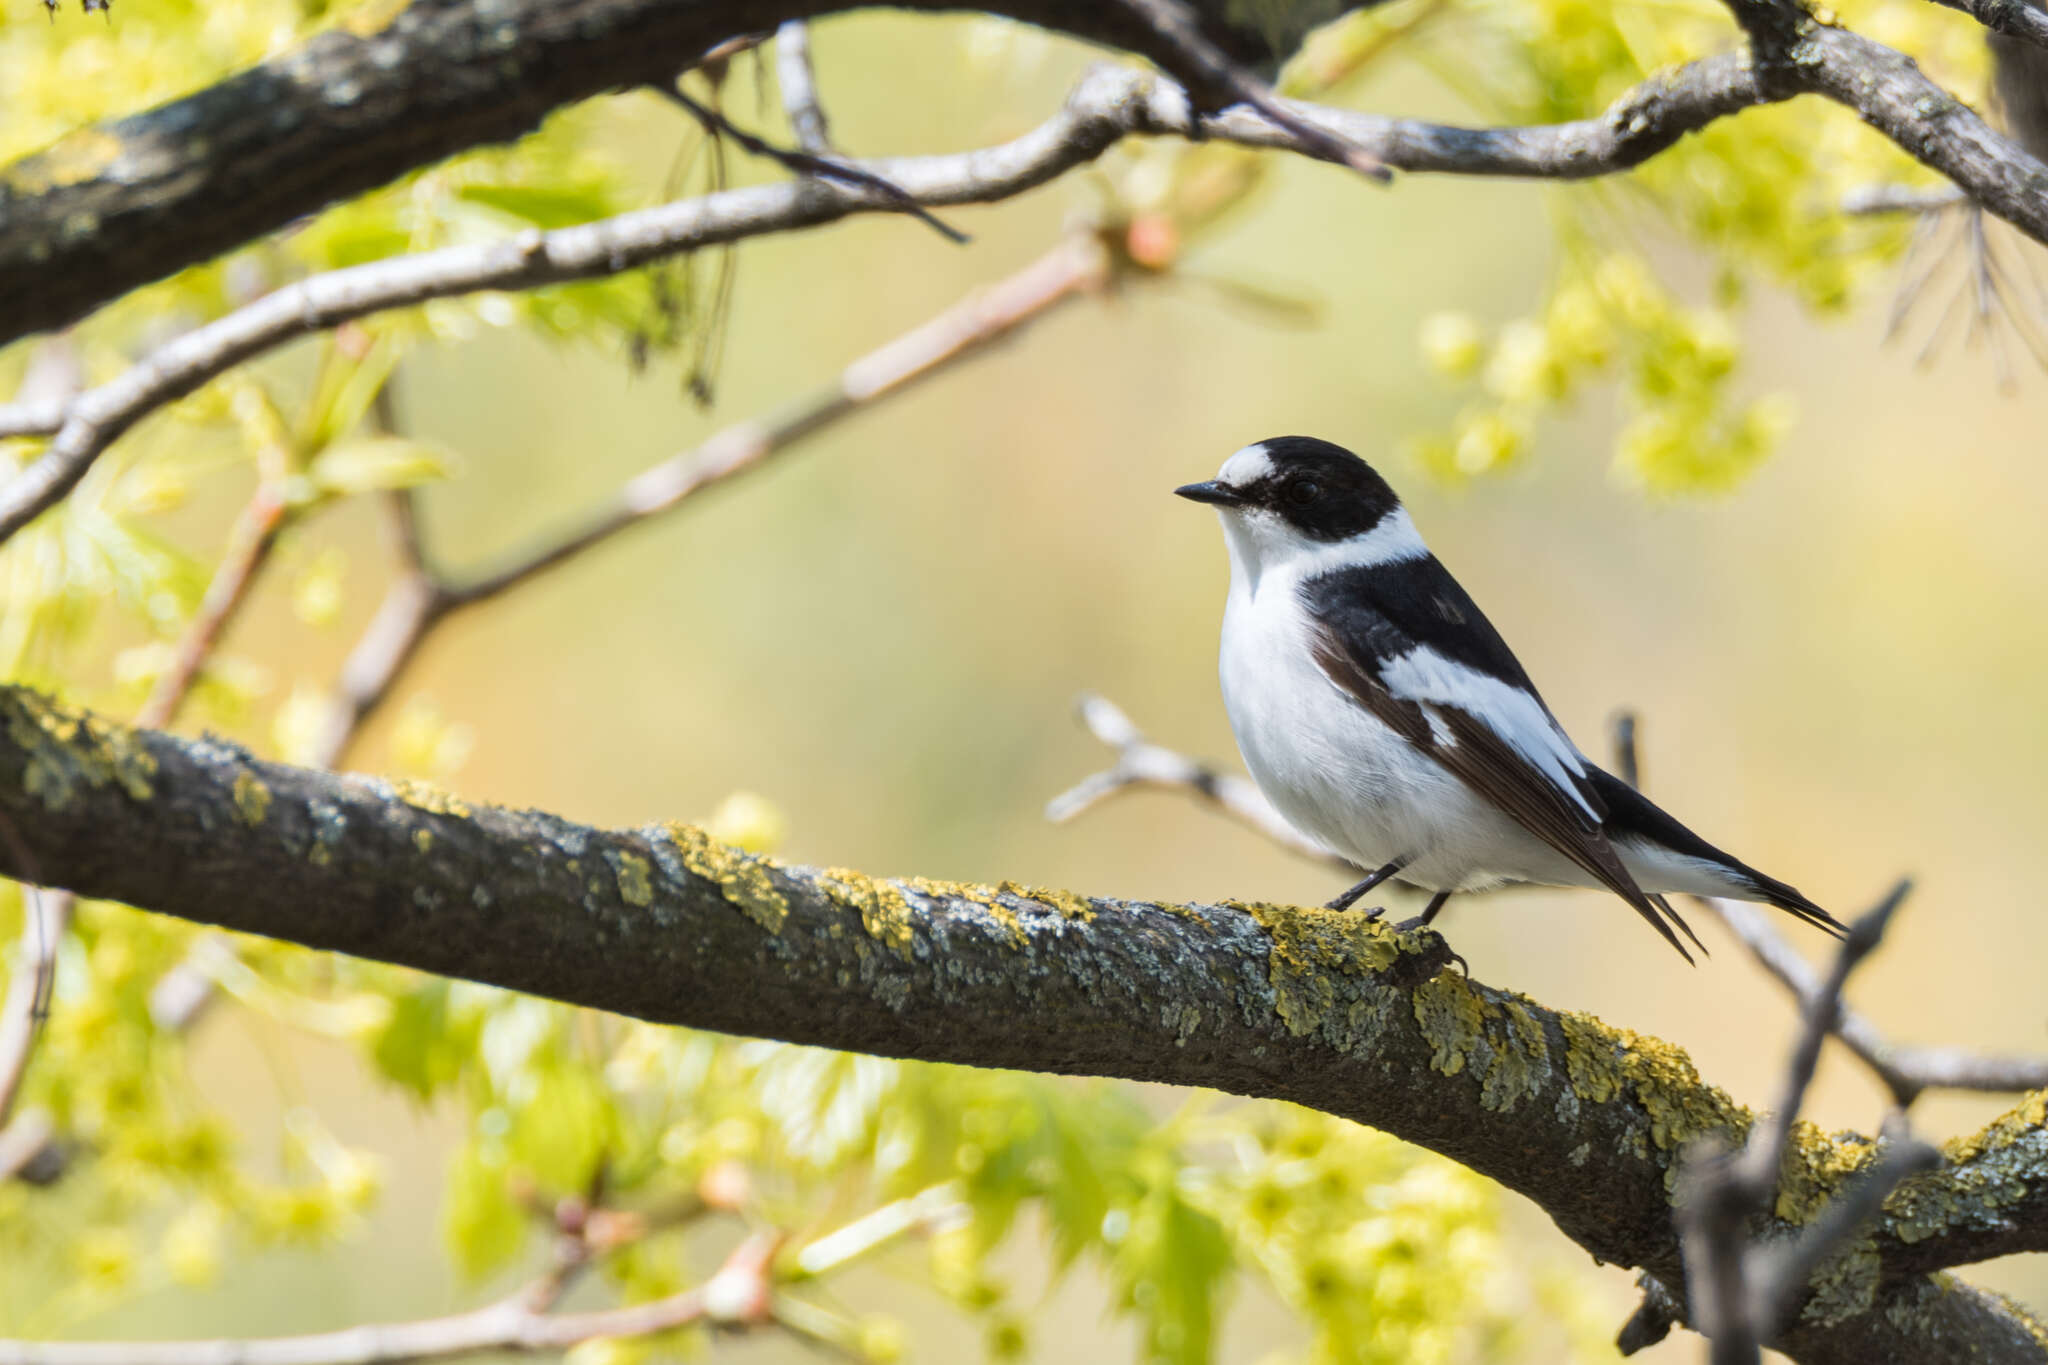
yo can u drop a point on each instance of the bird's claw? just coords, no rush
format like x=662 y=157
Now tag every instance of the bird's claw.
x=1422 y=922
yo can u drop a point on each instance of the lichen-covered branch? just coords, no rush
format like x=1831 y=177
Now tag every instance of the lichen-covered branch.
x=1322 y=1008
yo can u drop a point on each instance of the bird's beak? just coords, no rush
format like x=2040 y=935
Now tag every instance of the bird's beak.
x=1214 y=491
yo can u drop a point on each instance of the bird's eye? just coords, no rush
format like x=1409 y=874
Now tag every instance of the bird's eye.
x=1302 y=492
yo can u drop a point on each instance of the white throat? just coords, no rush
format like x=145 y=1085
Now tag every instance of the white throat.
x=1263 y=546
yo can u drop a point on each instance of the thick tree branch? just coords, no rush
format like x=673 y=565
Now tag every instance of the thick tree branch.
x=1318 y=1007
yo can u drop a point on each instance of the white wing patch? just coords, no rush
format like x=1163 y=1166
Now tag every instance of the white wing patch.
x=1423 y=675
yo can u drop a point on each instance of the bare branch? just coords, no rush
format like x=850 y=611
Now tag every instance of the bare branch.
x=1108 y=105
x=1181 y=28
x=1872 y=200
x=519 y=1323
x=1905 y=1071
x=2015 y=18
x=799 y=85
x=1739 y=1292
x=804 y=163
x=1756 y=1173
x=1141 y=763
x=419 y=601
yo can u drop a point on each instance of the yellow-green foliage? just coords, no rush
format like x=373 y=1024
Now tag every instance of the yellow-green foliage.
x=1386 y=1254
x=1759 y=195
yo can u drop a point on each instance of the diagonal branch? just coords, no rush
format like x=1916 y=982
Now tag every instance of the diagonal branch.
x=1107 y=106
x=1180 y=27
x=1317 y=1007
x=421 y=599
x=1905 y=1071
x=133 y=199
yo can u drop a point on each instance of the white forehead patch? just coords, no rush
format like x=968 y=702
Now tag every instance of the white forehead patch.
x=1247 y=466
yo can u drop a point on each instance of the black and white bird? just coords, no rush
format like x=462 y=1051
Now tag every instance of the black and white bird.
x=1383 y=715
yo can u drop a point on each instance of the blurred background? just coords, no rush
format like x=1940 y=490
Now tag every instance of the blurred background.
x=1836 y=659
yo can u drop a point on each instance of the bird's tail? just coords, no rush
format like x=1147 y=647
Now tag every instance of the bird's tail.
x=1631 y=816
x=1788 y=898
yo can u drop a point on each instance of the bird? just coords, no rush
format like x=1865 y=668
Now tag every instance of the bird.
x=1382 y=714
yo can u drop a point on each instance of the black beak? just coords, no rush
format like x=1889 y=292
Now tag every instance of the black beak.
x=1221 y=494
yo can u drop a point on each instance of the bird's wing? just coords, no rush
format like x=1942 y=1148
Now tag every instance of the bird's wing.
x=1465 y=701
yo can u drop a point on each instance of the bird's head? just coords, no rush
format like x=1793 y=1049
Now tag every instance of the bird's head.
x=1295 y=499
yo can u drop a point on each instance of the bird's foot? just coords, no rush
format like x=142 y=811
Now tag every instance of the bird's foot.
x=1422 y=922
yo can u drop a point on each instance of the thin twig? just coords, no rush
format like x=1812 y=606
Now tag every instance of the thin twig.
x=1873 y=200
x=1758 y=1169
x=519 y=1323
x=799 y=82
x=1739 y=1292
x=1176 y=24
x=2012 y=17
x=1904 y=1071
x=1108 y=105
x=1141 y=763
x=418 y=601
x=805 y=163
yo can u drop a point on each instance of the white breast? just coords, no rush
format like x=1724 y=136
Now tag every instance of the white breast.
x=1333 y=769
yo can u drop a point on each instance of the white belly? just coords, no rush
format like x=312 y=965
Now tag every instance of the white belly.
x=1344 y=778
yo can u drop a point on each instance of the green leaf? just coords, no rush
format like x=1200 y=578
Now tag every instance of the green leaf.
x=483 y=1228
x=565 y=1127
x=544 y=206
x=422 y=1046
x=377 y=464
x=1170 y=1262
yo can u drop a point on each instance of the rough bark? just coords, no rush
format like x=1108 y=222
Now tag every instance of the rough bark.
x=1321 y=1008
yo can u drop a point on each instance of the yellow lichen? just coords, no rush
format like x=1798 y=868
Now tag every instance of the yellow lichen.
x=636 y=882
x=744 y=880
x=1605 y=1063
x=988 y=898
x=1590 y=1057
x=252 y=798
x=423 y=840
x=884 y=910
x=1067 y=903
x=1499 y=1041
x=1451 y=1015
x=67 y=751
x=429 y=798
x=1815 y=1167
x=71 y=160
x=1983 y=1174
x=1314 y=964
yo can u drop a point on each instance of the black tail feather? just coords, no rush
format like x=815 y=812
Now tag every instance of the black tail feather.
x=1630 y=814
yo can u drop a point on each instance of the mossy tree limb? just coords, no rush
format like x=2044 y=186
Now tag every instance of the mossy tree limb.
x=1323 y=1009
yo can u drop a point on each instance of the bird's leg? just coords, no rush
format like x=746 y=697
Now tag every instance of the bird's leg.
x=1421 y=921
x=1345 y=901
x=1429 y=912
